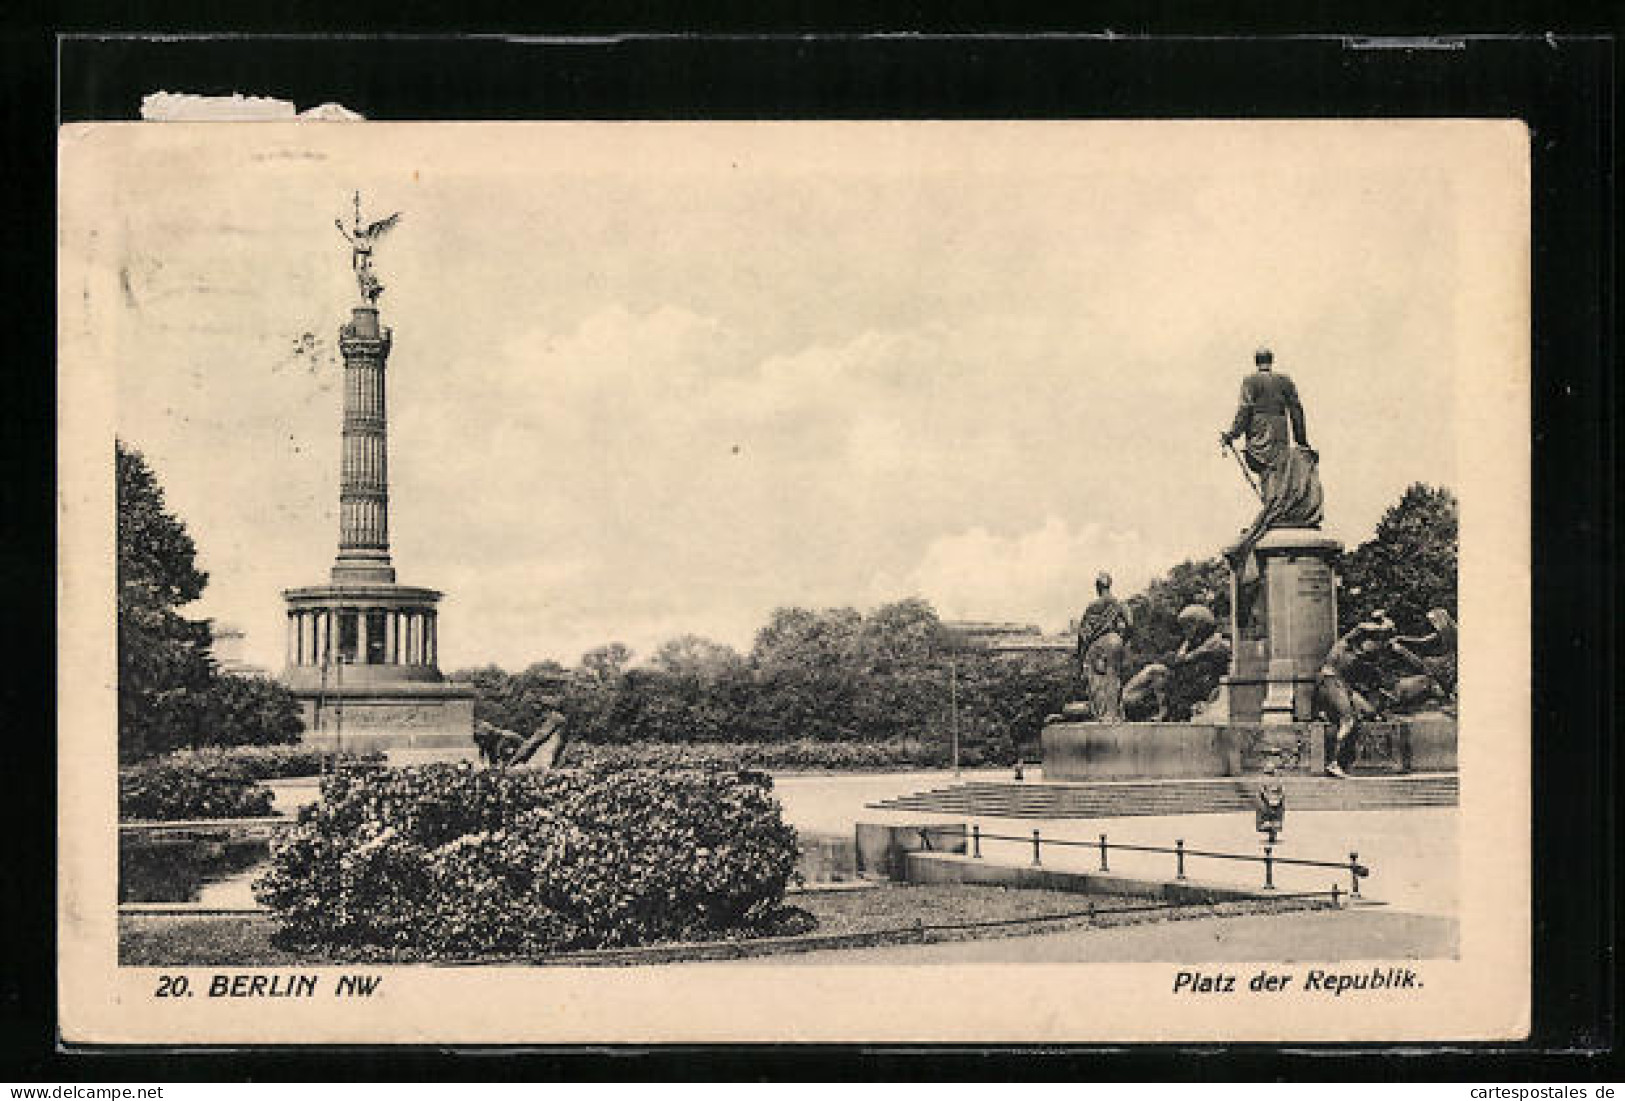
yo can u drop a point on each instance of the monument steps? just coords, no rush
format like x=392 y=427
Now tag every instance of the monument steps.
x=1229 y=795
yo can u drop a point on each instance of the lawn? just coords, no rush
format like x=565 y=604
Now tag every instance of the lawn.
x=936 y=912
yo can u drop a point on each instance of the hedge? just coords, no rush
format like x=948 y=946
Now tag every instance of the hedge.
x=450 y=862
x=803 y=753
x=169 y=789
x=273 y=762
x=220 y=782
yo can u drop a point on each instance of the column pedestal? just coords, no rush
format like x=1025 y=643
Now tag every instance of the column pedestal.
x=1285 y=620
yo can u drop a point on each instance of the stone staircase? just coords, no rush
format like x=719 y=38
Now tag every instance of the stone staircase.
x=1224 y=795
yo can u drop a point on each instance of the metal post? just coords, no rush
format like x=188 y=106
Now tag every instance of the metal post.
x=329 y=762
x=953 y=707
x=976 y=842
x=338 y=713
x=1179 y=859
x=1103 y=865
x=1337 y=895
x=321 y=693
x=1036 y=861
x=1269 y=867
x=1354 y=874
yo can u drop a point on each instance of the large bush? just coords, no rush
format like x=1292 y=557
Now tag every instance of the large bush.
x=448 y=861
x=182 y=786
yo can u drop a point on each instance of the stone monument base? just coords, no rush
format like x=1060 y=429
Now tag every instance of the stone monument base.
x=1085 y=751
x=436 y=716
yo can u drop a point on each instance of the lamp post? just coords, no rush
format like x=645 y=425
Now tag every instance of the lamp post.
x=953 y=707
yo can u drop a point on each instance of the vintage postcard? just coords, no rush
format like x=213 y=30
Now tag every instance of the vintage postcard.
x=991 y=582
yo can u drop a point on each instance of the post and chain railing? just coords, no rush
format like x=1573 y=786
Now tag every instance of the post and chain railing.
x=1104 y=846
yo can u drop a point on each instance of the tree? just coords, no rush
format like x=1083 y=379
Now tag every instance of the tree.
x=600 y=700
x=804 y=673
x=1004 y=699
x=1156 y=610
x=239 y=710
x=164 y=665
x=171 y=695
x=696 y=659
x=694 y=689
x=608 y=662
x=901 y=671
x=1409 y=565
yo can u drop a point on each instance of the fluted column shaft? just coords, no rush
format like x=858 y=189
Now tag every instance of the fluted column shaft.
x=364 y=462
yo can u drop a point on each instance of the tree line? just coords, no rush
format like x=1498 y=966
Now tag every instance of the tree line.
x=897 y=673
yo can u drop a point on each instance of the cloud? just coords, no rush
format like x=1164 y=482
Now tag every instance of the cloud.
x=1043 y=575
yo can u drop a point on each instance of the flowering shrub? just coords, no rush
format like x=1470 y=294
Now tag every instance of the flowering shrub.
x=272 y=762
x=803 y=753
x=169 y=789
x=449 y=861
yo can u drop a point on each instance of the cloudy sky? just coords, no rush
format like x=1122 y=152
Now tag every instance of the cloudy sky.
x=654 y=379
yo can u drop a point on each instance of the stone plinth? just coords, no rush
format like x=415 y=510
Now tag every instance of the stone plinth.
x=1088 y=751
x=882 y=847
x=427 y=716
x=1136 y=751
x=1284 y=623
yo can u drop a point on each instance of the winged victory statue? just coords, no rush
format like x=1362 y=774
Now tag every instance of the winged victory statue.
x=361 y=239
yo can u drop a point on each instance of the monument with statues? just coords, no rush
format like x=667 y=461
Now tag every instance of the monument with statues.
x=1283 y=700
x=363 y=650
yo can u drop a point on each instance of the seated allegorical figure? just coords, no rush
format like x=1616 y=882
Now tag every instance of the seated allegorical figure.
x=1393 y=678
x=495 y=744
x=1189 y=678
x=1432 y=655
x=1345 y=666
x=545 y=747
x=505 y=749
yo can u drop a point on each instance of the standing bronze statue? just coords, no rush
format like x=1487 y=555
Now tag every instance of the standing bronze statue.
x=1335 y=696
x=1270 y=418
x=1102 y=637
x=362 y=238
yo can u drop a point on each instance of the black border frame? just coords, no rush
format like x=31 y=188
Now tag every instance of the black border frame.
x=1564 y=86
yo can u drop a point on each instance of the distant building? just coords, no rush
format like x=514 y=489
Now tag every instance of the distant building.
x=228 y=647
x=1004 y=638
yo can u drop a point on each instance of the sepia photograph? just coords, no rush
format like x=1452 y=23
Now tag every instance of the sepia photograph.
x=665 y=582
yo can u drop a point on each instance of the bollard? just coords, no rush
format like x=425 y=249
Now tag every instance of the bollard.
x=1337 y=896
x=1103 y=865
x=976 y=842
x=1354 y=874
x=1036 y=861
x=1269 y=867
x=1179 y=859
